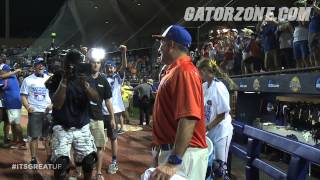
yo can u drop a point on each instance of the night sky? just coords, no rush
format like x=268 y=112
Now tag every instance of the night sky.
x=29 y=18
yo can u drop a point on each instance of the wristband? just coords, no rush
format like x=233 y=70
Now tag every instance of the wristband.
x=175 y=160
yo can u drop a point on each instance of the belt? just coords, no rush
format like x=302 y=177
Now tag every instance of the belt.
x=166 y=147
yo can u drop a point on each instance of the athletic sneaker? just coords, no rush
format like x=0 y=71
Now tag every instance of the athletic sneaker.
x=6 y=143
x=120 y=131
x=18 y=144
x=33 y=161
x=22 y=145
x=78 y=171
x=113 y=168
x=14 y=145
x=72 y=178
x=99 y=177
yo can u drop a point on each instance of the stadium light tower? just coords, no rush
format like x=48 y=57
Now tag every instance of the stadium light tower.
x=7 y=21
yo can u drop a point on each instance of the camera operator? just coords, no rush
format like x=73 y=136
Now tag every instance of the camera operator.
x=71 y=95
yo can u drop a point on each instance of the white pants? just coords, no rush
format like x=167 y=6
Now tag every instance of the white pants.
x=221 y=148
x=194 y=163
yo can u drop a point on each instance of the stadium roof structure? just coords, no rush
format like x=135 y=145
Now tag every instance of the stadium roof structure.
x=109 y=23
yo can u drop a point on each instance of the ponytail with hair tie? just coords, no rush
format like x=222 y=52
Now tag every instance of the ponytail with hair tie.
x=217 y=71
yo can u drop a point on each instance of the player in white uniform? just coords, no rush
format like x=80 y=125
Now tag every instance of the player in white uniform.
x=218 y=119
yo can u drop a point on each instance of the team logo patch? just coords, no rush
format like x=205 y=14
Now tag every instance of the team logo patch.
x=256 y=84
x=295 y=84
x=318 y=84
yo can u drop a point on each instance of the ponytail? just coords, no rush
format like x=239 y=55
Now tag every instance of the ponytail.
x=213 y=67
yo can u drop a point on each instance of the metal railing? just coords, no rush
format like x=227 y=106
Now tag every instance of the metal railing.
x=285 y=71
x=301 y=154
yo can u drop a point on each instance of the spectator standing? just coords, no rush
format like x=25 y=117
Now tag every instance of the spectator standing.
x=12 y=103
x=145 y=92
x=96 y=117
x=314 y=35
x=115 y=82
x=285 y=34
x=269 y=43
x=300 y=45
x=127 y=93
x=35 y=98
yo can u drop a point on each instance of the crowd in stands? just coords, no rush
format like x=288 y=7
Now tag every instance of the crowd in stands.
x=271 y=45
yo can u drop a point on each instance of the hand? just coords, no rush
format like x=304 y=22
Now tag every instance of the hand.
x=84 y=83
x=123 y=48
x=113 y=122
x=64 y=82
x=48 y=109
x=155 y=153
x=17 y=71
x=164 y=172
x=314 y=5
x=30 y=109
x=207 y=128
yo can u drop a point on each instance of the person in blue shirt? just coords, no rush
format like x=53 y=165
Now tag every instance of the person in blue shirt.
x=268 y=30
x=3 y=114
x=3 y=117
x=314 y=35
x=12 y=103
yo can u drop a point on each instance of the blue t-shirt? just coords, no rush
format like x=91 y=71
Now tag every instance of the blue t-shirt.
x=11 y=93
x=314 y=25
x=268 y=36
x=1 y=85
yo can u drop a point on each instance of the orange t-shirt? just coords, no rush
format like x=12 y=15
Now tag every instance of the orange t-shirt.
x=179 y=96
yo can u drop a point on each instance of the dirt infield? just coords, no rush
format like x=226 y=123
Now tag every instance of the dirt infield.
x=134 y=156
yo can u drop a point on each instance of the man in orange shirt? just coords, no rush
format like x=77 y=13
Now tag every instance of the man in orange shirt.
x=178 y=116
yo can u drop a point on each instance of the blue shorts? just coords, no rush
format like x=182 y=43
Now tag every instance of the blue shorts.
x=301 y=50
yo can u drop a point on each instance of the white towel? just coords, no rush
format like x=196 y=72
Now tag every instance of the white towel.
x=146 y=175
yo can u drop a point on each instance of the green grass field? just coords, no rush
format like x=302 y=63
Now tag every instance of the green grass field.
x=24 y=129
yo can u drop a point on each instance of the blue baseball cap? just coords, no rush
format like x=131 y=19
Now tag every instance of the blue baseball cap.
x=5 y=67
x=177 y=34
x=38 y=60
x=109 y=63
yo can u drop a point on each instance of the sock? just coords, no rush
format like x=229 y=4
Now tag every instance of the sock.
x=114 y=160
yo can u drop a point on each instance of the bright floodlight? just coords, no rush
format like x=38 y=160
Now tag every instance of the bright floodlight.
x=98 y=53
